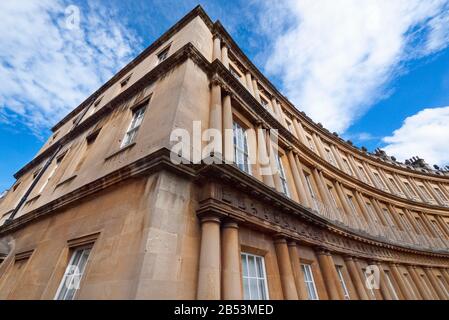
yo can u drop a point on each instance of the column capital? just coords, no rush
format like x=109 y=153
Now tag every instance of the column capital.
x=224 y=43
x=321 y=251
x=216 y=81
x=279 y=238
x=292 y=243
x=348 y=258
x=210 y=217
x=230 y=224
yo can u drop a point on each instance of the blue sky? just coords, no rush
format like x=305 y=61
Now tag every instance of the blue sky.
x=375 y=71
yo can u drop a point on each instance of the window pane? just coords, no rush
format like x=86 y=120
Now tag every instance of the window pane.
x=73 y=274
x=245 y=266
x=254 y=279
x=247 y=295
x=252 y=266
x=254 y=289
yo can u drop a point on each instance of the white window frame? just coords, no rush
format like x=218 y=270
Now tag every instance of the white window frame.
x=330 y=156
x=261 y=289
x=309 y=281
x=310 y=142
x=50 y=175
x=134 y=126
x=379 y=180
x=350 y=199
x=409 y=189
x=440 y=194
x=70 y=274
x=241 y=152
x=282 y=175
x=427 y=196
x=343 y=283
x=163 y=55
x=264 y=103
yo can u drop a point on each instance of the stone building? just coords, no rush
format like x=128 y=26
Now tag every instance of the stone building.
x=103 y=212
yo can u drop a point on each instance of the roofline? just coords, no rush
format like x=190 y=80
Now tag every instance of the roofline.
x=197 y=11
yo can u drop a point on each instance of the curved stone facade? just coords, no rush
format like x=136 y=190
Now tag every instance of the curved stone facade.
x=107 y=189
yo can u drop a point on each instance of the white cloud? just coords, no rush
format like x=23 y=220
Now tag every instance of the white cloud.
x=335 y=57
x=425 y=134
x=47 y=69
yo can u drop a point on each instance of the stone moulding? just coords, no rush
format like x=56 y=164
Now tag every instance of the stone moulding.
x=216 y=70
x=234 y=194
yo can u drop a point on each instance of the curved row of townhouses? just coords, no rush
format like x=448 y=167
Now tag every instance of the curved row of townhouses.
x=102 y=211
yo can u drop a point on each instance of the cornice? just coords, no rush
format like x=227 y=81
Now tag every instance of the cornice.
x=219 y=29
x=290 y=141
x=188 y=51
x=198 y=11
x=200 y=174
x=217 y=71
x=243 y=182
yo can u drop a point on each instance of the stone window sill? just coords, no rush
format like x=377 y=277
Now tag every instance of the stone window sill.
x=66 y=181
x=112 y=155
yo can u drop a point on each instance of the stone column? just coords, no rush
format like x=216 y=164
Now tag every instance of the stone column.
x=285 y=269
x=386 y=181
x=343 y=199
x=431 y=231
x=405 y=292
x=434 y=281
x=304 y=182
x=359 y=284
x=337 y=157
x=209 y=265
x=443 y=190
x=445 y=274
x=365 y=212
x=418 y=284
x=256 y=90
x=432 y=192
x=418 y=190
x=253 y=152
x=401 y=185
x=297 y=271
x=278 y=110
x=380 y=212
x=330 y=276
x=217 y=48
x=363 y=277
x=322 y=190
x=354 y=167
x=300 y=131
x=228 y=137
x=249 y=83
x=299 y=188
x=216 y=109
x=231 y=276
x=224 y=56
x=264 y=157
x=273 y=164
x=369 y=173
x=383 y=286
x=319 y=146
